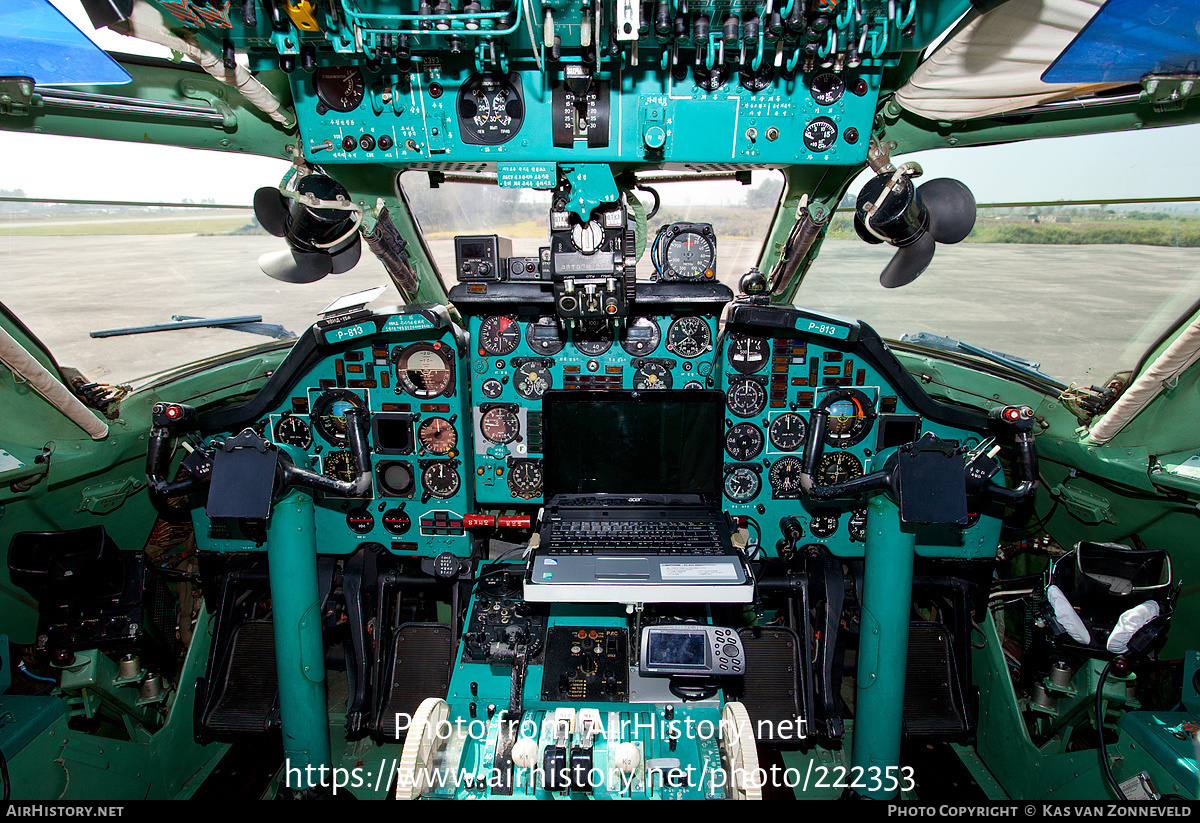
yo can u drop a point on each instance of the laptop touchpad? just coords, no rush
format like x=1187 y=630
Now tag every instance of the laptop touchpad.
x=622 y=568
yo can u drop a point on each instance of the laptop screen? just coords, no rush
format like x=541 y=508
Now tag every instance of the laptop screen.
x=633 y=442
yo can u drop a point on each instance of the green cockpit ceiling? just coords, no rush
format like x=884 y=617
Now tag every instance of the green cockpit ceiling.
x=932 y=74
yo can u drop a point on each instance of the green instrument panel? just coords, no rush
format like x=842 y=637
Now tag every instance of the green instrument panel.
x=408 y=373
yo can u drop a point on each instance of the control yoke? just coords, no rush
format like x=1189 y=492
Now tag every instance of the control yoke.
x=245 y=471
x=939 y=473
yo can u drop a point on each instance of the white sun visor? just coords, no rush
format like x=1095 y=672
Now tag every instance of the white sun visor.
x=993 y=64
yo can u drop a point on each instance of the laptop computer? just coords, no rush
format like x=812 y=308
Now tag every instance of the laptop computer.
x=633 y=501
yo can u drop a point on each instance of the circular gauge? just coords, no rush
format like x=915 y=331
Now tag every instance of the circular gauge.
x=785 y=477
x=824 y=525
x=851 y=415
x=545 y=336
x=360 y=521
x=787 y=432
x=340 y=88
x=424 y=369
x=525 y=479
x=744 y=441
x=693 y=384
x=593 y=340
x=440 y=480
x=532 y=380
x=820 y=134
x=838 y=467
x=490 y=111
x=294 y=432
x=689 y=255
x=340 y=466
x=498 y=336
x=396 y=521
x=755 y=81
x=652 y=376
x=394 y=478
x=329 y=414
x=689 y=337
x=491 y=388
x=499 y=425
x=748 y=354
x=746 y=397
x=640 y=337
x=437 y=436
x=710 y=80
x=858 y=526
x=742 y=484
x=827 y=88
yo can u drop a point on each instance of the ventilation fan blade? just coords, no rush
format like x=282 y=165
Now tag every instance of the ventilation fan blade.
x=951 y=209
x=348 y=257
x=908 y=262
x=271 y=209
x=292 y=266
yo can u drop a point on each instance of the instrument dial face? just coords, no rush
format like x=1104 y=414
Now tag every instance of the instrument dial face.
x=858 y=526
x=340 y=465
x=820 y=134
x=360 y=521
x=440 y=480
x=851 y=415
x=437 y=436
x=490 y=110
x=424 y=369
x=340 y=88
x=593 y=340
x=748 y=354
x=395 y=478
x=690 y=255
x=498 y=336
x=652 y=376
x=746 y=397
x=824 y=525
x=787 y=432
x=827 y=88
x=689 y=337
x=294 y=432
x=744 y=441
x=545 y=336
x=525 y=479
x=499 y=425
x=396 y=521
x=329 y=414
x=640 y=337
x=532 y=380
x=742 y=484
x=785 y=477
x=491 y=388
x=838 y=467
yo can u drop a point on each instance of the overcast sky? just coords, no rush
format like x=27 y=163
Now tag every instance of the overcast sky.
x=1150 y=163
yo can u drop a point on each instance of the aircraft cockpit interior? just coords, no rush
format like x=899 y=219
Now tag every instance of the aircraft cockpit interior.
x=609 y=509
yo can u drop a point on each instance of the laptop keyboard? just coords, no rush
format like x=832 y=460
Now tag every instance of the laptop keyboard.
x=640 y=537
